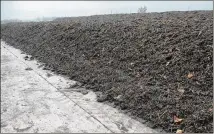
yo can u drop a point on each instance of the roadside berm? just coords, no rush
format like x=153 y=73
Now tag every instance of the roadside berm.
x=154 y=66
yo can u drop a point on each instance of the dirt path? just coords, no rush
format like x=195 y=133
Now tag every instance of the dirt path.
x=36 y=100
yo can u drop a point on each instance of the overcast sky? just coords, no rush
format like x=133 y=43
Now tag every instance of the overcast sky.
x=26 y=10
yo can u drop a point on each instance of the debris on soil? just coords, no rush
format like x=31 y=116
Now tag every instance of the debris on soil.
x=80 y=90
x=49 y=75
x=179 y=131
x=84 y=92
x=40 y=66
x=31 y=58
x=28 y=68
x=101 y=97
x=177 y=120
x=190 y=75
x=158 y=62
x=46 y=68
x=119 y=98
x=26 y=57
x=75 y=85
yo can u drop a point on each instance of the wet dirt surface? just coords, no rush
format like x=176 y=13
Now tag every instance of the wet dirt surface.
x=33 y=102
x=154 y=66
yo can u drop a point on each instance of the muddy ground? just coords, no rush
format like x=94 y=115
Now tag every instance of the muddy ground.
x=155 y=66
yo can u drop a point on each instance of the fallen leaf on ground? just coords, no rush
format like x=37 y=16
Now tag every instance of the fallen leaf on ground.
x=190 y=75
x=179 y=131
x=177 y=120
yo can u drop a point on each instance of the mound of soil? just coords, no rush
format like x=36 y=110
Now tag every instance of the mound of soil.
x=156 y=66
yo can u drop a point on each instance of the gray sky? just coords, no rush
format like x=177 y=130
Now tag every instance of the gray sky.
x=26 y=10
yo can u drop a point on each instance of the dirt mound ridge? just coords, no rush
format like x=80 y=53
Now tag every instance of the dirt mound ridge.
x=156 y=66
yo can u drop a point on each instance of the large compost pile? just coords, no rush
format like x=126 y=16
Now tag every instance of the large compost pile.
x=155 y=66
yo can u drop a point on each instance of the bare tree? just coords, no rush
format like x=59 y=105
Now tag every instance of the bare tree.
x=142 y=9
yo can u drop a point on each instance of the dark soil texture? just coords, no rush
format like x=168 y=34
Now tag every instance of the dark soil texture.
x=156 y=66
